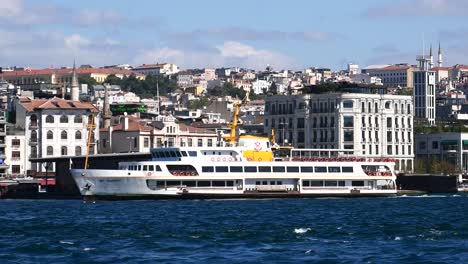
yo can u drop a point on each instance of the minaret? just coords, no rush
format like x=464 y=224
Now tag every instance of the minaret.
x=439 y=60
x=431 y=58
x=106 y=111
x=75 y=87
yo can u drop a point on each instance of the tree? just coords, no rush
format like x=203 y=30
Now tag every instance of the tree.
x=273 y=88
x=113 y=80
x=87 y=80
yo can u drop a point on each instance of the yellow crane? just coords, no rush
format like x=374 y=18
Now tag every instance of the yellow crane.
x=232 y=138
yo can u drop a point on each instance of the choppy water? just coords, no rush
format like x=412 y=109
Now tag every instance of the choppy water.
x=422 y=229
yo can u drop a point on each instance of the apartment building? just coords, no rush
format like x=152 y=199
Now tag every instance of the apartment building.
x=398 y=75
x=373 y=125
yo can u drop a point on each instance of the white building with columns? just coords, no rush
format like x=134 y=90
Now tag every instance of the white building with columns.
x=373 y=125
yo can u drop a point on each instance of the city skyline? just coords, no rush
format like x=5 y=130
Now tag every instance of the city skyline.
x=295 y=35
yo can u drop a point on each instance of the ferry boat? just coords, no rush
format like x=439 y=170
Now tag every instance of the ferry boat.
x=246 y=166
x=247 y=170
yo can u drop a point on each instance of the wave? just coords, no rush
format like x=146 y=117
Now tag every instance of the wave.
x=301 y=230
x=66 y=242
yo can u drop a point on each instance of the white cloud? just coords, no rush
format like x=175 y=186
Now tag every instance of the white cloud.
x=230 y=53
x=76 y=41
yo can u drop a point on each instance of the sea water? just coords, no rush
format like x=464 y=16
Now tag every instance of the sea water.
x=405 y=229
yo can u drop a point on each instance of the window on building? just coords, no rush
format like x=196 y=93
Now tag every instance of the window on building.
x=376 y=108
x=78 y=135
x=50 y=134
x=146 y=142
x=348 y=104
x=63 y=119
x=64 y=151
x=49 y=119
x=34 y=136
x=15 y=169
x=16 y=154
x=50 y=151
x=348 y=121
x=63 y=135
x=210 y=142
x=78 y=119
x=199 y=142
x=77 y=151
x=435 y=144
x=389 y=122
x=422 y=145
x=15 y=142
x=33 y=120
x=190 y=142
x=348 y=136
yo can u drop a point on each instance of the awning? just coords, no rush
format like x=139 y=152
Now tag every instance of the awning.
x=449 y=142
x=43 y=182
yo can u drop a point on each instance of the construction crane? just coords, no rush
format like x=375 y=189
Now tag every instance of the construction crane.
x=237 y=104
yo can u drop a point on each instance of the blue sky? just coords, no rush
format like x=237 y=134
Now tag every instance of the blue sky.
x=290 y=34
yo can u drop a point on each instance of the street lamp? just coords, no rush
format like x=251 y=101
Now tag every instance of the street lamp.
x=283 y=127
x=130 y=143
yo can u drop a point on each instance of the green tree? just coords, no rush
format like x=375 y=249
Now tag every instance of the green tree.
x=113 y=80
x=87 y=80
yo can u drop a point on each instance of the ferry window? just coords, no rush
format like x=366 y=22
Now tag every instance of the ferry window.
x=178 y=154
x=189 y=183
x=172 y=154
x=278 y=169
x=229 y=183
x=305 y=183
x=158 y=168
x=150 y=167
x=192 y=153
x=264 y=182
x=258 y=183
x=221 y=169
x=173 y=183
x=357 y=183
x=218 y=183
x=341 y=183
x=160 y=183
x=292 y=169
x=330 y=183
x=204 y=184
x=279 y=183
x=184 y=153
x=320 y=169
x=139 y=167
x=347 y=169
x=316 y=183
x=272 y=182
x=207 y=169
x=236 y=169
x=250 y=169
x=333 y=169
x=164 y=154
x=264 y=169
x=307 y=169
x=145 y=167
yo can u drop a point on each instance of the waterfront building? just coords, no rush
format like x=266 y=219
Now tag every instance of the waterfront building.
x=373 y=125
x=424 y=91
x=56 y=127
x=15 y=153
x=447 y=149
x=132 y=134
x=3 y=123
x=353 y=68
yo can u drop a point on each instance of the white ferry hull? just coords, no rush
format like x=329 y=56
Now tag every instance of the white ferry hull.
x=113 y=184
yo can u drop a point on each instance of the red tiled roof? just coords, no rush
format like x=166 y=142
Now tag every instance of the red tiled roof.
x=460 y=66
x=67 y=72
x=55 y=103
x=191 y=129
x=441 y=68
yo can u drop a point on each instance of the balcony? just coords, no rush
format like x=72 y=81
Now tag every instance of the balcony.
x=33 y=142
